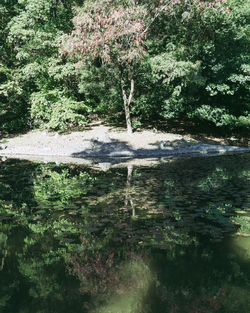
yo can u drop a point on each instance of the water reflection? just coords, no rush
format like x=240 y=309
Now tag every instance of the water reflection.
x=135 y=239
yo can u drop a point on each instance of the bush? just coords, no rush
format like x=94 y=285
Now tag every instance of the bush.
x=54 y=111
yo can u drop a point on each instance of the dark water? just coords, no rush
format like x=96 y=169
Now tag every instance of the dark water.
x=172 y=238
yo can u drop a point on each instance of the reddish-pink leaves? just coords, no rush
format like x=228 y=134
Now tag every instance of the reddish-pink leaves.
x=115 y=32
x=104 y=30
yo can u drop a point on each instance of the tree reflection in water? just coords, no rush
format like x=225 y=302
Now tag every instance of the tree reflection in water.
x=132 y=239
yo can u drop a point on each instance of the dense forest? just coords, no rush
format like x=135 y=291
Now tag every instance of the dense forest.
x=127 y=61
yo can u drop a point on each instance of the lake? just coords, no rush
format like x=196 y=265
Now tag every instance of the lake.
x=170 y=238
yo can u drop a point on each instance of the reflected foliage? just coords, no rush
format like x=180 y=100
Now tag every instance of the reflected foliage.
x=136 y=239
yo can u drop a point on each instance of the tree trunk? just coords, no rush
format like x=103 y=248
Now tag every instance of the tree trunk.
x=127 y=101
x=128 y=118
x=128 y=196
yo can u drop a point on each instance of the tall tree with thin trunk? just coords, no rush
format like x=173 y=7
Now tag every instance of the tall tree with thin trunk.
x=114 y=33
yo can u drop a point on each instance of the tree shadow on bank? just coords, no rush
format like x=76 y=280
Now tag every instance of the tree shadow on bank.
x=116 y=151
x=204 y=131
x=120 y=149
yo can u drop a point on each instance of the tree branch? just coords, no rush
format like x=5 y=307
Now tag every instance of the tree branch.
x=123 y=85
x=155 y=16
x=132 y=87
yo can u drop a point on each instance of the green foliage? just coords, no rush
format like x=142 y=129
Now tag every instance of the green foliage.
x=54 y=111
x=197 y=63
x=68 y=235
x=34 y=74
x=100 y=88
x=60 y=188
x=176 y=77
x=200 y=62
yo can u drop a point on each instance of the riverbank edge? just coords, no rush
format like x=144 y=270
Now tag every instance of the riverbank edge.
x=104 y=162
x=106 y=145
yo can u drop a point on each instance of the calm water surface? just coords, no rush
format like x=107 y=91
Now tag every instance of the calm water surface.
x=172 y=238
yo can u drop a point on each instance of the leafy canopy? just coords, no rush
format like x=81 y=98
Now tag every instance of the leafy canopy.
x=109 y=30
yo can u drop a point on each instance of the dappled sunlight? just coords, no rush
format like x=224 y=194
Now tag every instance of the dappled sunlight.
x=116 y=286
x=241 y=246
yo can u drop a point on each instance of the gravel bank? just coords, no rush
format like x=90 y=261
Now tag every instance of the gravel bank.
x=102 y=142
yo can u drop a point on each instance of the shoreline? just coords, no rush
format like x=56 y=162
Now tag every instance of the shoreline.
x=111 y=146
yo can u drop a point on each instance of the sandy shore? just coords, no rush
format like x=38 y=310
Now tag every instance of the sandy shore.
x=102 y=142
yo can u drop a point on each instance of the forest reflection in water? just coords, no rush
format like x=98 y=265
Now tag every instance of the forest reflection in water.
x=172 y=238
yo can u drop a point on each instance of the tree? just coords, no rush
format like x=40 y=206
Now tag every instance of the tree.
x=159 y=59
x=113 y=34
x=199 y=57
x=36 y=87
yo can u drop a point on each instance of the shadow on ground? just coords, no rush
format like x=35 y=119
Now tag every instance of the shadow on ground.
x=116 y=148
x=204 y=131
x=115 y=152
